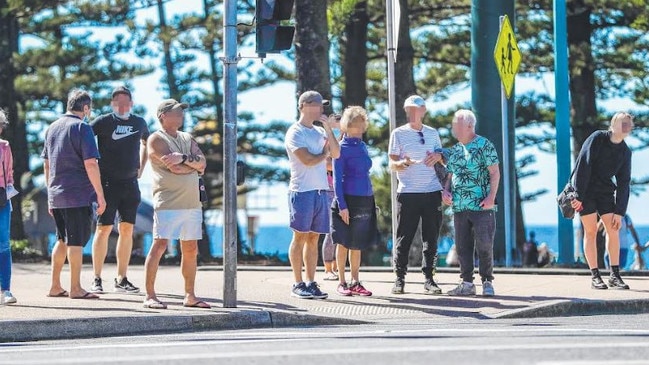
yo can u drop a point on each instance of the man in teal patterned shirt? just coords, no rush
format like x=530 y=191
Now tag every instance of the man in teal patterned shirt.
x=471 y=187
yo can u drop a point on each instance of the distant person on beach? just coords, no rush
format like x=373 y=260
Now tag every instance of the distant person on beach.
x=604 y=155
x=309 y=142
x=530 y=251
x=353 y=214
x=471 y=188
x=328 y=247
x=626 y=228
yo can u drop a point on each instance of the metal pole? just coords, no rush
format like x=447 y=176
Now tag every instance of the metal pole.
x=505 y=180
x=562 y=123
x=230 y=155
x=391 y=60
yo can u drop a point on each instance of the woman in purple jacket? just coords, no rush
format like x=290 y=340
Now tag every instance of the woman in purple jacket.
x=353 y=221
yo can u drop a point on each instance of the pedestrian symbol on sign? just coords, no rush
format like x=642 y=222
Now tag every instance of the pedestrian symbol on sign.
x=507 y=56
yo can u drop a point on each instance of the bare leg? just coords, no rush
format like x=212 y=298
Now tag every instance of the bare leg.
x=613 y=240
x=151 y=266
x=100 y=248
x=310 y=255
x=590 y=242
x=355 y=263
x=59 y=252
x=341 y=260
x=329 y=266
x=124 y=248
x=188 y=266
x=75 y=260
x=295 y=254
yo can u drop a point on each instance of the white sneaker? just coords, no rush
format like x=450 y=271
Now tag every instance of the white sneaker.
x=8 y=297
x=488 y=289
x=464 y=289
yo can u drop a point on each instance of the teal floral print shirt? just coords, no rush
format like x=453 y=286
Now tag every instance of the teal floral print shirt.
x=468 y=164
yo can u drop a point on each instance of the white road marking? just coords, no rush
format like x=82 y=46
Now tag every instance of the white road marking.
x=328 y=351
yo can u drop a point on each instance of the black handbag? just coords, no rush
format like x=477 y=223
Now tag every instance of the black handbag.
x=565 y=198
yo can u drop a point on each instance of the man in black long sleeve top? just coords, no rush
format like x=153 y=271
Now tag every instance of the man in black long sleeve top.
x=604 y=156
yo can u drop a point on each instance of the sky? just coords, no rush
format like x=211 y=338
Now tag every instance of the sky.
x=277 y=103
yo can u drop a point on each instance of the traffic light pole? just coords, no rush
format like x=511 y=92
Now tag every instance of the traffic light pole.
x=230 y=155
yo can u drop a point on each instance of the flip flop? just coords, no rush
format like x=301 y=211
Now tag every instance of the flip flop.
x=88 y=295
x=63 y=294
x=154 y=304
x=198 y=304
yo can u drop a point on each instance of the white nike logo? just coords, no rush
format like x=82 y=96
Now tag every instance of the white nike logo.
x=117 y=136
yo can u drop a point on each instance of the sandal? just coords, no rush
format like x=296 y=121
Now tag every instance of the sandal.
x=154 y=304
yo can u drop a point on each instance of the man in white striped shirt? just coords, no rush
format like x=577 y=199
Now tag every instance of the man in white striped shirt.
x=414 y=150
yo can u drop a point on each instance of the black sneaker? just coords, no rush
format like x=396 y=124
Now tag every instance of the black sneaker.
x=616 y=282
x=430 y=287
x=96 y=286
x=598 y=283
x=125 y=286
x=314 y=289
x=398 y=286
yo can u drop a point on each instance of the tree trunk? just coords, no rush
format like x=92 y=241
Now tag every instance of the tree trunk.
x=404 y=78
x=312 y=47
x=582 y=73
x=16 y=132
x=355 y=56
x=166 y=39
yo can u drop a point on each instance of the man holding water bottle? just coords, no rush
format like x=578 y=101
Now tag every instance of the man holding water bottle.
x=414 y=151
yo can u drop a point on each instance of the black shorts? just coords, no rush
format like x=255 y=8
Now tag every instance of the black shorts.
x=598 y=203
x=73 y=225
x=122 y=197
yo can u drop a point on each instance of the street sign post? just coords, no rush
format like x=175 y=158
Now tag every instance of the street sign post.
x=507 y=55
x=508 y=58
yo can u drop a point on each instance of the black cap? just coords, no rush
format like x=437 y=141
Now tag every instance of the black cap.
x=121 y=90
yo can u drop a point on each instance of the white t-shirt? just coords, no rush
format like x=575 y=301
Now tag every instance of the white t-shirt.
x=407 y=142
x=306 y=178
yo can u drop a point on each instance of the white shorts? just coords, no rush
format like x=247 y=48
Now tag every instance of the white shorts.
x=178 y=224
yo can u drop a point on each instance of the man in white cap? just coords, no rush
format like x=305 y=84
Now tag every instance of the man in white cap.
x=308 y=146
x=413 y=154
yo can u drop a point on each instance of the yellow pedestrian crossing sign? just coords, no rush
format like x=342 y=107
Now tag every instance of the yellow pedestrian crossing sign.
x=507 y=56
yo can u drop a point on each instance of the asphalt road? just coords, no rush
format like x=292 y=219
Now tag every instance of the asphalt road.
x=571 y=340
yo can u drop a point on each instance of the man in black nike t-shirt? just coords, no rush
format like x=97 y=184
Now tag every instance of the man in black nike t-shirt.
x=121 y=137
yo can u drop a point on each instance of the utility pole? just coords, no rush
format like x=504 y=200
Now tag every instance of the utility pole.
x=562 y=123
x=391 y=55
x=230 y=61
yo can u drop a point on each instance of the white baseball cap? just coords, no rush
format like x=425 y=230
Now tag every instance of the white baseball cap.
x=414 y=100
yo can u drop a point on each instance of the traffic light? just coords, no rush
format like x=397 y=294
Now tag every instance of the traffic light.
x=271 y=36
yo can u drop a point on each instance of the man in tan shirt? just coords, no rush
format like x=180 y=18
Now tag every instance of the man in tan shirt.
x=177 y=162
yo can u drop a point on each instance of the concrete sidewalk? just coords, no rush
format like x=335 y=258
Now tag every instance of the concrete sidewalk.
x=264 y=301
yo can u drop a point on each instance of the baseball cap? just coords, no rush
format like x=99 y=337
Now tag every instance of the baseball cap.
x=312 y=97
x=121 y=90
x=414 y=100
x=169 y=104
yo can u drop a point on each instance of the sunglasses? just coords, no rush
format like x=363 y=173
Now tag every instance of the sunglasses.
x=421 y=136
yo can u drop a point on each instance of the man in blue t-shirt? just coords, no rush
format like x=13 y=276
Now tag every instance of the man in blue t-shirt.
x=471 y=187
x=73 y=185
x=122 y=144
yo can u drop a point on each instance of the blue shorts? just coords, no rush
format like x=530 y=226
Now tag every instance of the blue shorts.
x=309 y=211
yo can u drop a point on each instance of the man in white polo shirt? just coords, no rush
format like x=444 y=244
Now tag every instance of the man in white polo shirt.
x=412 y=157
